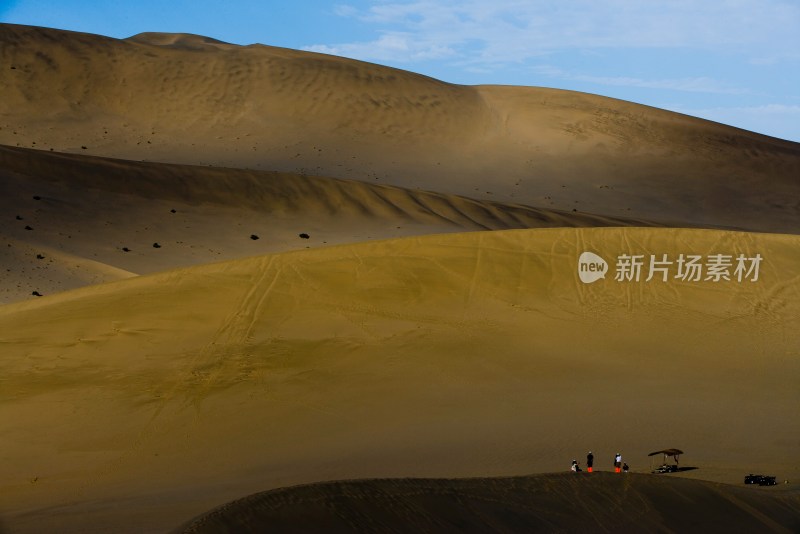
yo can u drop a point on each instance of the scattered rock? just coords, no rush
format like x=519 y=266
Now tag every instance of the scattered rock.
x=156 y=245
x=125 y=249
x=28 y=228
x=83 y=147
x=253 y=237
x=173 y=211
x=36 y=294
x=39 y=257
x=304 y=236
x=37 y=197
x=19 y=217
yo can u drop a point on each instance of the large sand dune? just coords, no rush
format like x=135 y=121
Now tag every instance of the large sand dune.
x=460 y=355
x=365 y=324
x=73 y=220
x=188 y=99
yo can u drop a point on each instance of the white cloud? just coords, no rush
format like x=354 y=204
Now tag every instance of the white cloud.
x=391 y=46
x=345 y=11
x=714 y=52
x=515 y=30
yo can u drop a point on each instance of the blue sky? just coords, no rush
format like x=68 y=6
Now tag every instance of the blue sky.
x=732 y=61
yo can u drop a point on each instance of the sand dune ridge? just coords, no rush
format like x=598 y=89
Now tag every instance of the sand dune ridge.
x=268 y=108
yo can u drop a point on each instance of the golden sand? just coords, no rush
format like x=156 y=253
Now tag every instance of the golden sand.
x=375 y=328
x=459 y=355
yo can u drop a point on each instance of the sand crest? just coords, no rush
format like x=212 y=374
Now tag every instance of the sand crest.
x=547 y=503
x=74 y=220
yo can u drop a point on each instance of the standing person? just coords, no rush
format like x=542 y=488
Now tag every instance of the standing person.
x=617 y=463
x=589 y=461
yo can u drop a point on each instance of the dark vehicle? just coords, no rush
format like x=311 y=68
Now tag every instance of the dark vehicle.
x=666 y=469
x=761 y=480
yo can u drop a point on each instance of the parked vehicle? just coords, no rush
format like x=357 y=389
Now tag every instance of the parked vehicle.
x=761 y=480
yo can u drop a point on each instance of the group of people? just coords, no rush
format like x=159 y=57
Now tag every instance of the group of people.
x=619 y=465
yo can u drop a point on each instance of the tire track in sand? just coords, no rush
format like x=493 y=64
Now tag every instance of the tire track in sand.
x=235 y=330
x=192 y=380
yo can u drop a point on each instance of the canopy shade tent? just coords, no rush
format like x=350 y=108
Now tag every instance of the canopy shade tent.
x=667 y=452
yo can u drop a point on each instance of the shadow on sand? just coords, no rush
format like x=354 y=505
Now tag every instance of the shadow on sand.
x=672 y=469
x=556 y=502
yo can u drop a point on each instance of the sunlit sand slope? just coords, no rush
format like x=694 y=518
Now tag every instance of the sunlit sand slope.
x=71 y=220
x=471 y=354
x=188 y=99
x=601 y=502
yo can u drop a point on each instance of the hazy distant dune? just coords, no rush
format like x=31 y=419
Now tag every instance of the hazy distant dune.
x=180 y=41
x=188 y=99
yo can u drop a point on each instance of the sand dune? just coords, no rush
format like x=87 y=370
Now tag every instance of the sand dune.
x=191 y=100
x=341 y=340
x=29 y=268
x=75 y=220
x=474 y=354
x=602 y=502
